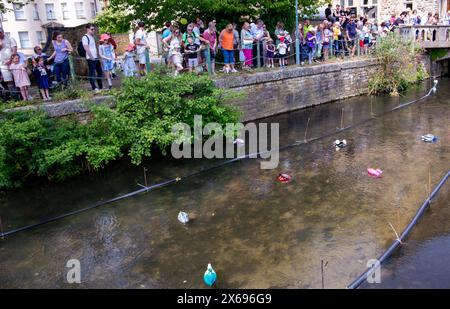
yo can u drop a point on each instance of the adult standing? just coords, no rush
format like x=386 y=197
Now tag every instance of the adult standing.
x=329 y=13
x=62 y=49
x=92 y=59
x=210 y=37
x=172 y=42
x=258 y=34
x=226 y=42
x=8 y=47
x=247 y=45
x=167 y=32
x=351 y=35
x=140 y=40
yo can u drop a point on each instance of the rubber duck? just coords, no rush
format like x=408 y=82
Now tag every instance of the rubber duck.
x=239 y=142
x=284 y=178
x=340 y=144
x=183 y=217
x=429 y=138
x=210 y=275
x=375 y=173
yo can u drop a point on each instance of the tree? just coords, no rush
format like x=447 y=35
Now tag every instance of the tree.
x=4 y=9
x=156 y=12
x=114 y=21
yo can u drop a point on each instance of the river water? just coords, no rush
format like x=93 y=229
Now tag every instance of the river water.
x=255 y=231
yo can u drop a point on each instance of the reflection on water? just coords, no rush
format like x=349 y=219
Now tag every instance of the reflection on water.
x=256 y=232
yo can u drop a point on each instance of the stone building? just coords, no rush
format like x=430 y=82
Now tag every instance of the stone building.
x=383 y=9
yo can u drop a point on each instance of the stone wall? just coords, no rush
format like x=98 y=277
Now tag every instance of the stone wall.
x=386 y=8
x=269 y=93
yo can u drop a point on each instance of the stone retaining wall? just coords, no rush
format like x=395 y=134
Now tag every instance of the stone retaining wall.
x=279 y=91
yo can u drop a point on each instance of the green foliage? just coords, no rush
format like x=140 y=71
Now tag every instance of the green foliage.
x=400 y=67
x=114 y=21
x=73 y=91
x=155 y=13
x=438 y=53
x=146 y=111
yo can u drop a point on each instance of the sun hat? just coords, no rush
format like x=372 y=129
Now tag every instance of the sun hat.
x=104 y=37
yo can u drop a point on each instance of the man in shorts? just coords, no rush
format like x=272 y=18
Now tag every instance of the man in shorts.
x=140 y=40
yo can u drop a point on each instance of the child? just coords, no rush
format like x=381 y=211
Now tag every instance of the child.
x=107 y=55
x=40 y=72
x=129 y=65
x=282 y=49
x=20 y=74
x=288 y=42
x=337 y=34
x=270 y=53
x=177 y=58
x=311 y=40
x=192 y=50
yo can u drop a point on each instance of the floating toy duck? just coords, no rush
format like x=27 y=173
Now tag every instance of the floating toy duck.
x=183 y=217
x=210 y=275
x=284 y=178
x=429 y=138
x=340 y=144
x=375 y=173
x=239 y=142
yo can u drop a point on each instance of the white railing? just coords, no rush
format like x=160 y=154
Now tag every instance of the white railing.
x=428 y=36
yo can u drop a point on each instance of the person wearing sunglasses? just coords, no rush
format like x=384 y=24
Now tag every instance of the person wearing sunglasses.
x=92 y=59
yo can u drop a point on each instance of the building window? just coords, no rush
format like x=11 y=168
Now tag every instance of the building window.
x=19 y=12
x=350 y=2
x=342 y=3
x=35 y=12
x=408 y=4
x=79 y=10
x=93 y=10
x=40 y=37
x=50 y=10
x=65 y=11
x=24 y=39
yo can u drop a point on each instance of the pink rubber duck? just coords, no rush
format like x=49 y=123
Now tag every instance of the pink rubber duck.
x=375 y=173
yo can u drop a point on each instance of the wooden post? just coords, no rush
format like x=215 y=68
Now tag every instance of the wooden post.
x=258 y=53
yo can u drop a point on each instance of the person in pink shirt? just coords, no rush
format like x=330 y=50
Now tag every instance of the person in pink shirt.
x=210 y=35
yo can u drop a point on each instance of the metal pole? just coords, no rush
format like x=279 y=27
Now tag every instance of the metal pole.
x=258 y=53
x=208 y=59
x=147 y=60
x=72 y=68
x=297 y=43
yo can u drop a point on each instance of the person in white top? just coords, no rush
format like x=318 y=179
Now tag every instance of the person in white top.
x=140 y=40
x=8 y=47
x=92 y=59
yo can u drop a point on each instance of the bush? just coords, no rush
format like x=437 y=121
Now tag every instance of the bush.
x=399 y=66
x=146 y=110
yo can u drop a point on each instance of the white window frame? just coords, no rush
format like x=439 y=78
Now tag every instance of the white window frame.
x=40 y=38
x=22 y=45
x=65 y=10
x=93 y=9
x=52 y=15
x=35 y=12
x=19 y=8
x=80 y=14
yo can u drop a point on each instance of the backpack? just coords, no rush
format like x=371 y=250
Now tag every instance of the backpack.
x=80 y=49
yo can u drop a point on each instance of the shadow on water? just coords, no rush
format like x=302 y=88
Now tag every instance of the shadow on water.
x=256 y=232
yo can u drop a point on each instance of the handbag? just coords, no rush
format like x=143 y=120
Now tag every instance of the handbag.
x=241 y=56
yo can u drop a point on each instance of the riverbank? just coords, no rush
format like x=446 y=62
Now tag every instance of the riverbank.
x=262 y=93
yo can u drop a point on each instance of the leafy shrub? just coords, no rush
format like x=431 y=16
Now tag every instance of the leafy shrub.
x=399 y=66
x=146 y=110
